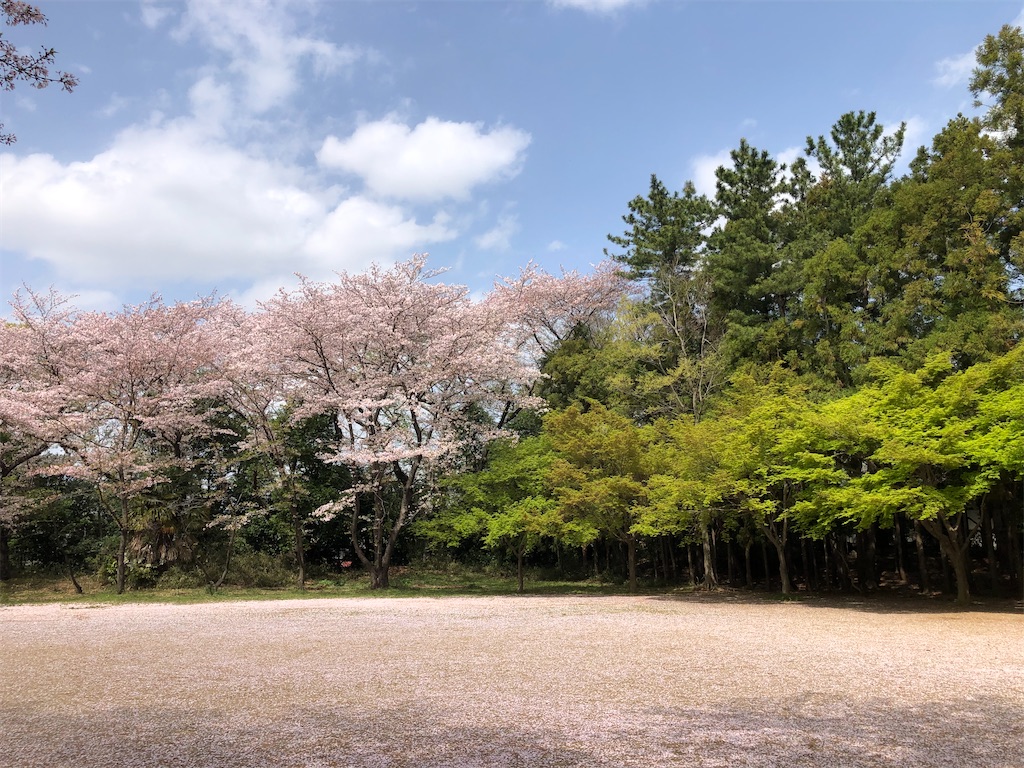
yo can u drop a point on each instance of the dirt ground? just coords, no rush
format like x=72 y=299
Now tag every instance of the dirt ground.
x=510 y=681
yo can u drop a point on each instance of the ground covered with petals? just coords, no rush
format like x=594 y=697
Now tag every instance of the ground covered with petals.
x=510 y=681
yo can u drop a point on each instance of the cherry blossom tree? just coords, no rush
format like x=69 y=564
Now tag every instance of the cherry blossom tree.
x=545 y=308
x=34 y=350
x=406 y=366
x=135 y=399
x=259 y=394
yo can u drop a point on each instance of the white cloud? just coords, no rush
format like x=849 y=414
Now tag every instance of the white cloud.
x=160 y=204
x=262 y=46
x=173 y=203
x=917 y=133
x=499 y=238
x=218 y=196
x=596 y=6
x=556 y=245
x=704 y=167
x=95 y=300
x=955 y=70
x=790 y=154
x=153 y=15
x=432 y=161
x=359 y=231
x=114 y=105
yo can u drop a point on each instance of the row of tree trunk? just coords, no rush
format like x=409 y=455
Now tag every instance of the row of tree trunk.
x=907 y=555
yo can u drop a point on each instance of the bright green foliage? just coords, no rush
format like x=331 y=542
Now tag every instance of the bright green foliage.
x=505 y=505
x=769 y=456
x=995 y=440
x=687 y=485
x=600 y=475
x=933 y=442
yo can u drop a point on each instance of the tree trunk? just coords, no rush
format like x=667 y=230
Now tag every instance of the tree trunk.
x=1014 y=548
x=954 y=545
x=689 y=565
x=783 y=569
x=961 y=571
x=805 y=563
x=842 y=564
x=767 y=568
x=748 y=571
x=5 y=554
x=866 y=559
x=947 y=580
x=300 y=549
x=214 y=586
x=122 y=550
x=815 y=574
x=379 y=577
x=378 y=567
x=901 y=566
x=827 y=570
x=730 y=558
x=71 y=574
x=666 y=569
x=631 y=558
x=710 y=574
x=990 y=545
x=520 y=554
x=922 y=561
x=779 y=540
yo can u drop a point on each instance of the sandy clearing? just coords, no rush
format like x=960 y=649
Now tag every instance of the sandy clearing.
x=534 y=681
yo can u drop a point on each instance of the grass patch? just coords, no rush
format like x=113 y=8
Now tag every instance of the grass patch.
x=405 y=582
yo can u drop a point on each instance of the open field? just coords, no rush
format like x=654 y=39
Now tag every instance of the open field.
x=507 y=681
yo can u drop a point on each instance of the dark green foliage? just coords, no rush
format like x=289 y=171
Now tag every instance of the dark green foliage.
x=665 y=234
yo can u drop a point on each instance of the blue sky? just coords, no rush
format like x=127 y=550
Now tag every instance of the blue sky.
x=224 y=146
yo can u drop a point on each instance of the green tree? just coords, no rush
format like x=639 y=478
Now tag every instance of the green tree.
x=600 y=474
x=665 y=235
x=506 y=505
x=744 y=249
x=936 y=441
x=688 y=487
x=856 y=166
x=769 y=457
